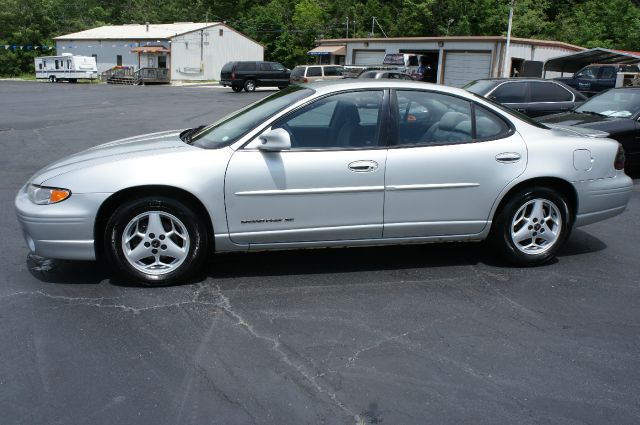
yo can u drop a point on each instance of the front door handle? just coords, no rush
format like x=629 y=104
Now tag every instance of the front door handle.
x=363 y=166
x=508 y=157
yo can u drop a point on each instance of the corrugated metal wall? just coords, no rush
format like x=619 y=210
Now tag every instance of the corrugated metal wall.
x=201 y=55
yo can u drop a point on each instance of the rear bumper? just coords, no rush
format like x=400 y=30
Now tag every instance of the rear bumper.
x=602 y=199
x=230 y=83
x=62 y=231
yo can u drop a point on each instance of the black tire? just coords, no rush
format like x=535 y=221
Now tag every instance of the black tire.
x=53 y=78
x=236 y=89
x=128 y=211
x=538 y=251
x=249 y=86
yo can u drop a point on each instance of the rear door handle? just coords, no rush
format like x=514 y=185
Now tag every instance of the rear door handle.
x=363 y=166
x=508 y=157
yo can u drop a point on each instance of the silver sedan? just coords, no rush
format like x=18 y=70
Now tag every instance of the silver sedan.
x=340 y=164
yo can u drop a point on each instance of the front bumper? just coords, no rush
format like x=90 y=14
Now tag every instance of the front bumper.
x=64 y=230
x=603 y=198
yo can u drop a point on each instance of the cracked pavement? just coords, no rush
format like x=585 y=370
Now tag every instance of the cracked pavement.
x=435 y=334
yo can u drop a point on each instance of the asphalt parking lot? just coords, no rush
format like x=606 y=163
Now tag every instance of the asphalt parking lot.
x=435 y=334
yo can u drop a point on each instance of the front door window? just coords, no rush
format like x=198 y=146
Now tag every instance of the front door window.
x=162 y=62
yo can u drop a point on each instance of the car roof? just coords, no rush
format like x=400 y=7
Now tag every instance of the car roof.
x=323 y=87
x=517 y=79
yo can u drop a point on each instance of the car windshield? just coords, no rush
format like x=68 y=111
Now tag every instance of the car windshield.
x=621 y=103
x=513 y=112
x=232 y=127
x=480 y=86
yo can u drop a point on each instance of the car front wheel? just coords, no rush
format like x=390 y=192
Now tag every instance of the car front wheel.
x=156 y=241
x=236 y=89
x=532 y=226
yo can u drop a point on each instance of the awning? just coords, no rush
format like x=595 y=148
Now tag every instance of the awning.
x=328 y=50
x=150 y=49
x=575 y=61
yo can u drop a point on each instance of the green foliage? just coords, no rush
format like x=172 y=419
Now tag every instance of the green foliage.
x=289 y=28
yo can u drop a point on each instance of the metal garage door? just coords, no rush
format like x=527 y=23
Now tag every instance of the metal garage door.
x=368 y=57
x=460 y=68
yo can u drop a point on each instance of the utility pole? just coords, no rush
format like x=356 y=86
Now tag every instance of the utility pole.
x=373 y=22
x=505 y=70
x=347 y=27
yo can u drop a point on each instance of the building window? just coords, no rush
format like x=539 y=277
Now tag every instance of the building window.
x=220 y=32
x=119 y=60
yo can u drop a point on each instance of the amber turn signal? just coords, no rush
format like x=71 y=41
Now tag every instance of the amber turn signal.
x=58 y=195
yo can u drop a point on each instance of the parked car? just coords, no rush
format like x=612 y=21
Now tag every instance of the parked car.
x=596 y=78
x=385 y=74
x=617 y=112
x=248 y=75
x=311 y=73
x=318 y=165
x=531 y=96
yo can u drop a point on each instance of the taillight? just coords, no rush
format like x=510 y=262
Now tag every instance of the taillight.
x=233 y=75
x=306 y=80
x=618 y=163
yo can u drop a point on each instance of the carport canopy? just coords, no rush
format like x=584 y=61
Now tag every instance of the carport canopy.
x=575 y=61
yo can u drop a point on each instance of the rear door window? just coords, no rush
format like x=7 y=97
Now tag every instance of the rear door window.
x=549 y=92
x=314 y=71
x=333 y=71
x=246 y=66
x=511 y=93
x=607 y=72
x=427 y=118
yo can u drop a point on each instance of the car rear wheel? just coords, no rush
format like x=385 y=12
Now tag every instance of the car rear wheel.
x=156 y=241
x=532 y=226
x=236 y=89
x=249 y=85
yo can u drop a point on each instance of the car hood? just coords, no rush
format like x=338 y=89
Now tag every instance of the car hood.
x=144 y=145
x=578 y=119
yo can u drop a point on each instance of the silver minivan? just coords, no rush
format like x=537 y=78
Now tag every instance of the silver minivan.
x=311 y=73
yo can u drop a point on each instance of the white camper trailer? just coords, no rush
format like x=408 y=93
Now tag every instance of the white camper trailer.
x=66 y=67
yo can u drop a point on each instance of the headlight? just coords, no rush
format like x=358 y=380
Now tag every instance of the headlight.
x=42 y=195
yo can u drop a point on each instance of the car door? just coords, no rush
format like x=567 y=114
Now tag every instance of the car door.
x=606 y=79
x=266 y=74
x=513 y=94
x=329 y=186
x=444 y=179
x=548 y=97
x=583 y=80
x=281 y=75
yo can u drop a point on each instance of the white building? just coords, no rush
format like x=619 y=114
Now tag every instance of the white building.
x=455 y=60
x=190 y=51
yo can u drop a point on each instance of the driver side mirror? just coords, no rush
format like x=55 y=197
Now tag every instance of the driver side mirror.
x=275 y=140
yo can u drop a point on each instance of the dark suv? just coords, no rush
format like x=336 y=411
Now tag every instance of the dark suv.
x=596 y=78
x=248 y=75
